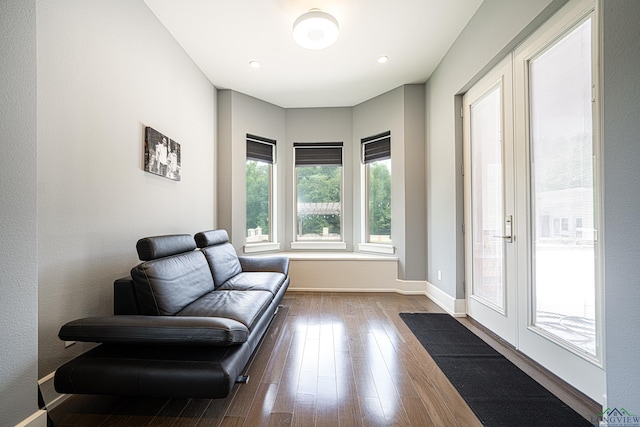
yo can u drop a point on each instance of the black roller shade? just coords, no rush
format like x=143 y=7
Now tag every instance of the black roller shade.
x=376 y=147
x=260 y=149
x=318 y=153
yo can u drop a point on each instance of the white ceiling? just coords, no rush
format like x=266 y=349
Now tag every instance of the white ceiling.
x=222 y=36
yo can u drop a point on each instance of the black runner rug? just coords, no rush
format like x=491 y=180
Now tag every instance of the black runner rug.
x=497 y=391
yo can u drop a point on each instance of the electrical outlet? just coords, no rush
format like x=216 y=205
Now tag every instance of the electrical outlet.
x=439 y=274
x=68 y=343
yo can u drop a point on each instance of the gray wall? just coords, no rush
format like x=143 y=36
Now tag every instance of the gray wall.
x=621 y=143
x=400 y=111
x=321 y=125
x=238 y=115
x=105 y=71
x=496 y=28
x=19 y=226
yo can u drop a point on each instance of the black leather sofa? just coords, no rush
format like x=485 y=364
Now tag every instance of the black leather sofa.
x=186 y=321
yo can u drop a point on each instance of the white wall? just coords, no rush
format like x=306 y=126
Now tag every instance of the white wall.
x=496 y=28
x=105 y=71
x=621 y=143
x=19 y=227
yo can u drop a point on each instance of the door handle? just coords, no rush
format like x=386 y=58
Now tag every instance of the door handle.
x=508 y=229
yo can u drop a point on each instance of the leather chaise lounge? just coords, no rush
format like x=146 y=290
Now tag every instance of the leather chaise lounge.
x=186 y=321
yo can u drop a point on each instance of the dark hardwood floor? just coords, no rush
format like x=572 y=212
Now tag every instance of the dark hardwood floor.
x=328 y=359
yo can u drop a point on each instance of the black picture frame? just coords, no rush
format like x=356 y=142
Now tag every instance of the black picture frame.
x=161 y=155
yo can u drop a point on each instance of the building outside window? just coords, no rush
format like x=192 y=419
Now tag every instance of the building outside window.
x=259 y=182
x=376 y=158
x=318 y=175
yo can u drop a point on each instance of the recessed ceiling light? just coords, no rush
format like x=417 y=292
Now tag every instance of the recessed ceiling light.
x=315 y=30
x=382 y=59
x=254 y=64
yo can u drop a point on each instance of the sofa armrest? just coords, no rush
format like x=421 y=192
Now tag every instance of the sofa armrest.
x=124 y=297
x=162 y=330
x=277 y=264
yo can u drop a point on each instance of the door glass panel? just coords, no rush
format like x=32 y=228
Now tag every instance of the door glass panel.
x=563 y=234
x=487 y=198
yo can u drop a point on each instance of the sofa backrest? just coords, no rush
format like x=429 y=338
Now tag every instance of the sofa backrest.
x=171 y=276
x=220 y=255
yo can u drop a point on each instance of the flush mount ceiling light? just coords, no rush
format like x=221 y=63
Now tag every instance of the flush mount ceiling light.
x=315 y=30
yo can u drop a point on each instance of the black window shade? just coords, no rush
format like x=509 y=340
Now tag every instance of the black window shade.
x=260 y=149
x=318 y=154
x=376 y=147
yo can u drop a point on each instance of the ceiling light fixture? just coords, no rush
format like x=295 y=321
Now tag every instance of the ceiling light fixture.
x=254 y=64
x=382 y=59
x=315 y=30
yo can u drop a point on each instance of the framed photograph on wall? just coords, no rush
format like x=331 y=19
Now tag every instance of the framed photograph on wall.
x=161 y=155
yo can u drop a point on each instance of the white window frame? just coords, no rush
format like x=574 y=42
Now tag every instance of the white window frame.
x=317 y=244
x=271 y=244
x=366 y=245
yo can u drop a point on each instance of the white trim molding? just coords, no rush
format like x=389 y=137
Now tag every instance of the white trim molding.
x=37 y=419
x=411 y=287
x=317 y=245
x=252 y=248
x=49 y=394
x=377 y=248
x=453 y=306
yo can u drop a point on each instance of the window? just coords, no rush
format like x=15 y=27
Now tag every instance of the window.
x=376 y=157
x=562 y=140
x=259 y=177
x=318 y=175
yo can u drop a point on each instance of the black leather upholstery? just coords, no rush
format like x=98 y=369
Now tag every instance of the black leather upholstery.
x=244 y=307
x=272 y=263
x=154 y=371
x=211 y=238
x=186 y=324
x=223 y=262
x=255 y=281
x=167 y=285
x=167 y=330
x=160 y=246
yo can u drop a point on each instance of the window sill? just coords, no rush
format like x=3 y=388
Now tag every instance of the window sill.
x=341 y=246
x=252 y=248
x=376 y=248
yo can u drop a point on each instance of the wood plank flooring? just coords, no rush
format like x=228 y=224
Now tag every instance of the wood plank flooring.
x=328 y=359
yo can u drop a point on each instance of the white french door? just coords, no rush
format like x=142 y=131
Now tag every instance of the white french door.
x=489 y=203
x=541 y=199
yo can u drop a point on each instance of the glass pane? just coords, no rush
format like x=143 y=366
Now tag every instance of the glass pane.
x=258 y=212
x=487 y=198
x=318 y=202
x=562 y=190
x=379 y=201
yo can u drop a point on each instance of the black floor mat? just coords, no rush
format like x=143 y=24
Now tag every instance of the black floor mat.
x=497 y=391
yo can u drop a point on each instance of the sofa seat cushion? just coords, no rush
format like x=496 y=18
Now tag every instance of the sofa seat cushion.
x=244 y=307
x=255 y=281
x=165 y=286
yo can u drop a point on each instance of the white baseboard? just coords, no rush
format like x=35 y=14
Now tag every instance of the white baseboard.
x=404 y=287
x=381 y=290
x=37 y=419
x=453 y=306
x=411 y=287
x=50 y=396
